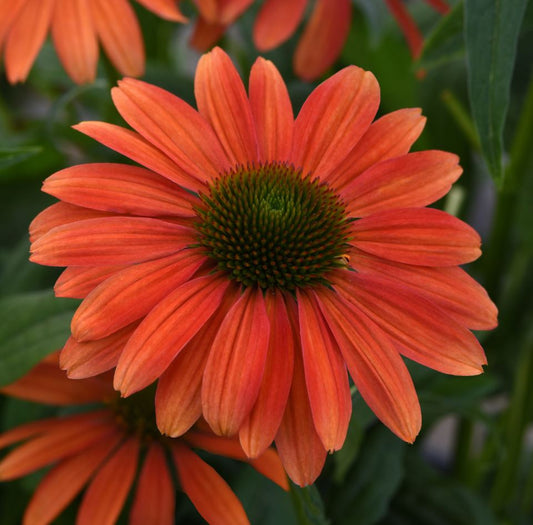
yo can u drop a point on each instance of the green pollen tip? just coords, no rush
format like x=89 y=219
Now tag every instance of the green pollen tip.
x=268 y=225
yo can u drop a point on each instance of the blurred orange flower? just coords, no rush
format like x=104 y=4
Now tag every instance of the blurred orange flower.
x=256 y=256
x=103 y=449
x=77 y=27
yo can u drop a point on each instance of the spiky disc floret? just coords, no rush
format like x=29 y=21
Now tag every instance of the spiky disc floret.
x=268 y=225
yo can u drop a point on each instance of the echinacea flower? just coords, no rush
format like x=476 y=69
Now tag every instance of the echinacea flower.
x=77 y=27
x=106 y=449
x=255 y=258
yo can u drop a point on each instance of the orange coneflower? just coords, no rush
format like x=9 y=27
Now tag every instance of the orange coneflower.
x=105 y=448
x=256 y=256
x=77 y=26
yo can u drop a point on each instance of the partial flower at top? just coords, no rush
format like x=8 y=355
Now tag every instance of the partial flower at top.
x=111 y=446
x=77 y=27
x=255 y=257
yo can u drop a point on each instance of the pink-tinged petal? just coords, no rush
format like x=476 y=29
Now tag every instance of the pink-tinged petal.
x=109 y=489
x=229 y=10
x=420 y=236
x=209 y=493
x=61 y=485
x=119 y=188
x=420 y=330
x=272 y=111
x=166 y=330
x=412 y=34
x=26 y=37
x=236 y=363
x=276 y=22
x=299 y=446
x=325 y=375
x=134 y=146
x=75 y=39
x=334 y=117
x=413 y=180
x=89 y=359
x=206 y=34
x=59 y=214
x=110 y=241
x=130 y=294
x=450 y=288
x=172 y=126
x=78 y=281
x=120 y=35
x=260 y=428
x=323 y=38
x=390 y=136
x=166 y=9
x=222 y=100
x=267 y=464
x=376 y=368
x=65 y=438
x=178 y=400
x=154 y=498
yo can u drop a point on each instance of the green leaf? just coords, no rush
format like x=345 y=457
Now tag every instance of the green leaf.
x=308 y=505
x=33 y=326
x=446 y=42
x=491 y=33
x=11 y=156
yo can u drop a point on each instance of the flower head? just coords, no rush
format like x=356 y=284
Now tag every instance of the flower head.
x=77 y=27
x=256 y=258
x=105 y=449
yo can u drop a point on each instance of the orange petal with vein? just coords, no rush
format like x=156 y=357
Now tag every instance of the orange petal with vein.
x=165 y=9
x=108 y=490
x=421 y=236
x=77 y=281
x=236 y=363
x=154 y=498
x=209 y=493
x=166 y=330
x=272 y=111
x=222 y=100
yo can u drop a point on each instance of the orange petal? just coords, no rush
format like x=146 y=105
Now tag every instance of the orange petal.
x=75 y=39
x=413 y=180
x=131 y=293
x=325 y=375
x=390 y=136
x=26 y=37
x=119 y=188
x=272 y=111
x=173 y=126
x=110 y=241
x=166 y=330
x=420 y=236
x=109 y=489
x=135 y=147
x=236 y=363
x=77 y=281
x=94 y=357
x=208 y=9
x=166 y=9
x=222 y=100
x=8 y=13
x=376 y=368
x=154 y=498
x=209 y=493
x=206 y=34
x=65 y=438
x=61 y=485
x=439 y=5
x=178 y=402
x=229 y=10
x=260 y=428
x=420 y=330
x=334 y=117
x=120 y=35
x=276 y=22
x=26 y=431
x=323 y=38
x=451 y=289
x=412 y=34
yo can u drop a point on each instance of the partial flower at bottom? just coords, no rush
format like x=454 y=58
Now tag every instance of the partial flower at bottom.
x=112 y=449
x=257 y=259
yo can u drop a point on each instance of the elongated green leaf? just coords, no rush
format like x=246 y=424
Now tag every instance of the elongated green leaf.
x=33 y=325
x=491 y=34
x=308 y=505
x=11 y=156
